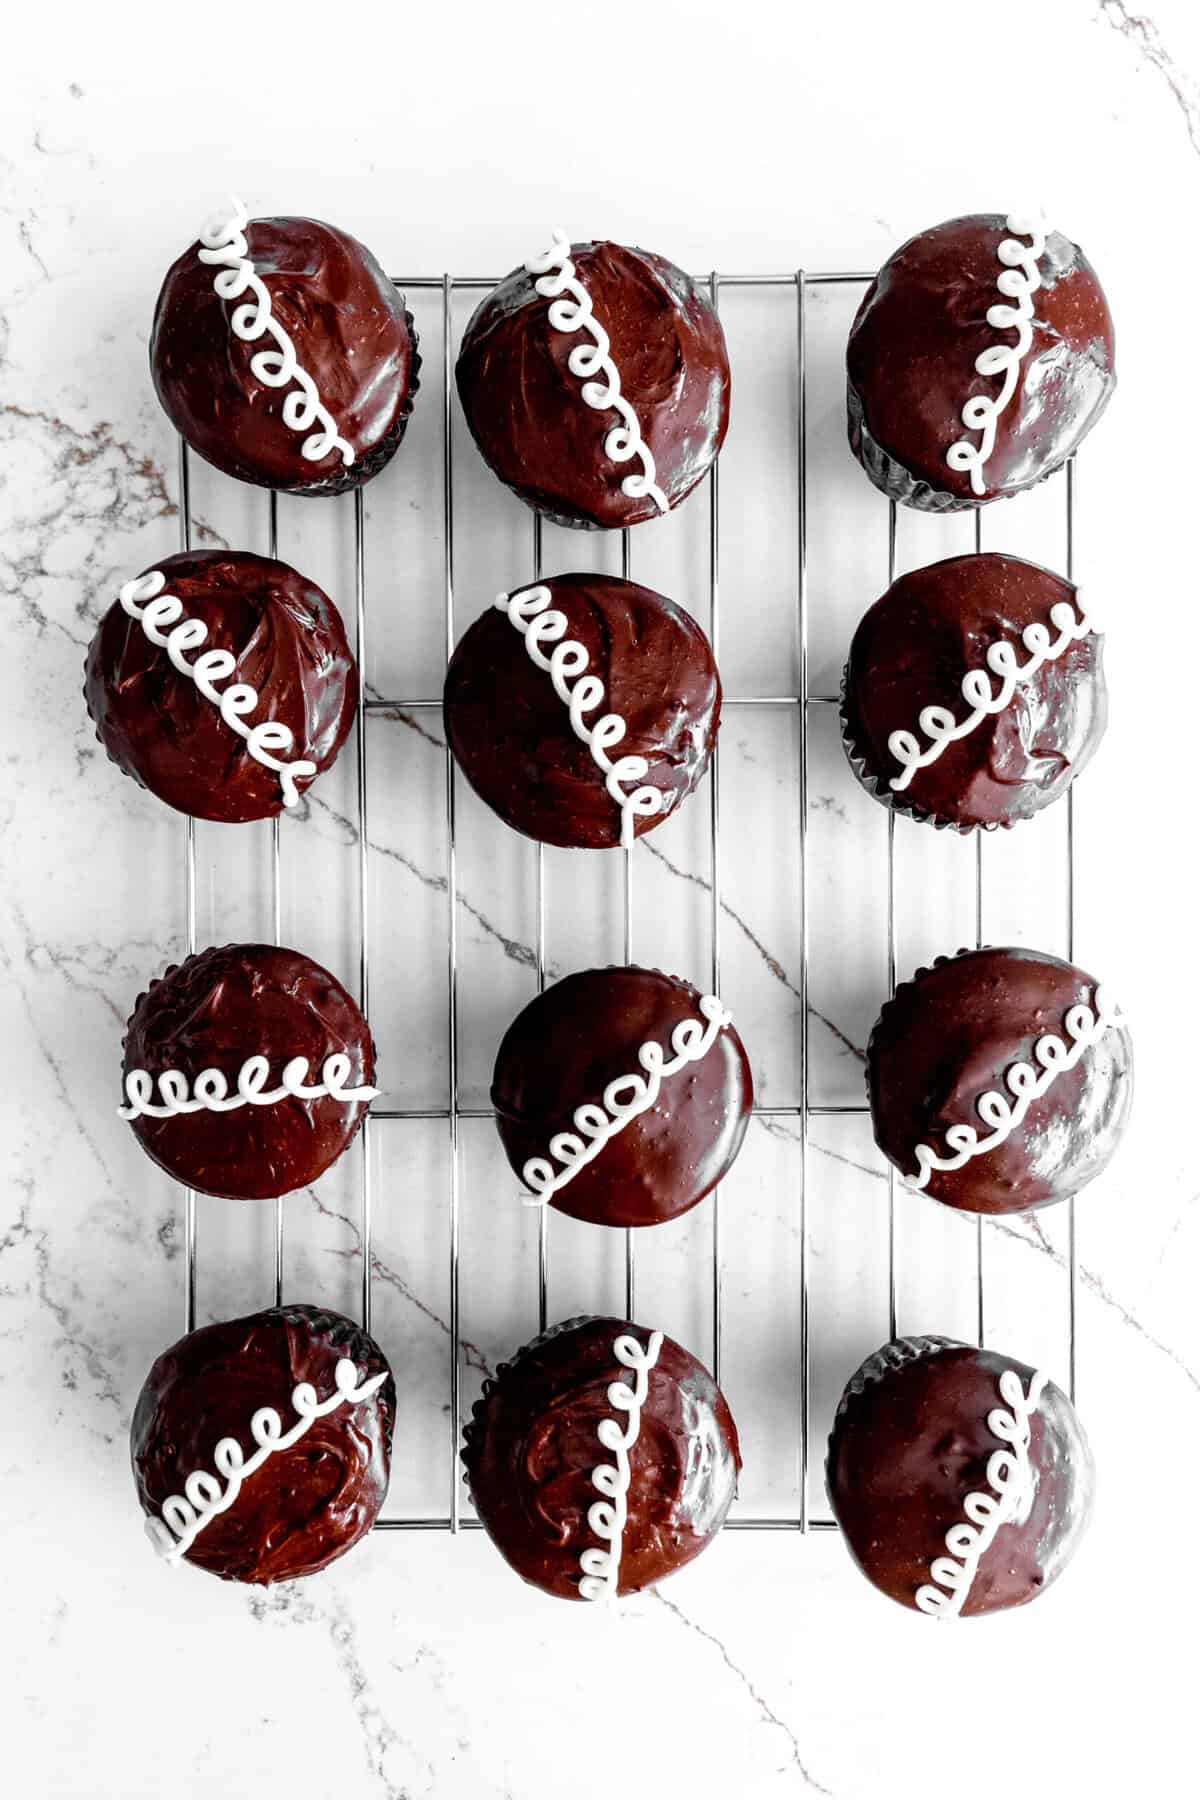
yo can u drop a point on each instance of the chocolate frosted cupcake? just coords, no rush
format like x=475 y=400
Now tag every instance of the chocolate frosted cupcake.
x=622 y=1096
x=261 y=1446
x=283 y=354
x=595 y=381
x=247 y=1071
x=999 y=1080
x=223 y=683
x=979 y=360
x=583 y=709
x=974 y=693
x=601 y=1459
x=961 y=1479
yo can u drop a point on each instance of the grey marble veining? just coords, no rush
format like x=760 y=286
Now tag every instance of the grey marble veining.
x=419 y=1666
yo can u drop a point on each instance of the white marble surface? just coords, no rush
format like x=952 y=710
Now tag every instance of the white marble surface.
x=420 y=1666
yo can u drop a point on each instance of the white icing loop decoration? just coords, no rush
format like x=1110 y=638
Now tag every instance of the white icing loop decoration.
x=606 y=1517
x=223 y=242
x=185 y=1515
x=571 y=311
x=530 y=612
x=624 y=1099
x=1025 y=1083
x=210 y=1092
x=161 y=617
x=938 y=723
x=1012 y=1480
x=1018 y=281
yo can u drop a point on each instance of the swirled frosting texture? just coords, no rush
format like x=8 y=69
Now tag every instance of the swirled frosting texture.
x=910 y=365
x=350 y=331
x=531 y=1445
x=307 y=1505
x=911 y=1440
x=212 y=1012
x=566 y=1046
x=522 y=402
x=290 y=646
x=911 y=651
x=950 y=1035
x=511 y=734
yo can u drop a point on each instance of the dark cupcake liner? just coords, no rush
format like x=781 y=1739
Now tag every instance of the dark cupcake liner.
x=893 y=1355
x=896 y=800
x=891 y=477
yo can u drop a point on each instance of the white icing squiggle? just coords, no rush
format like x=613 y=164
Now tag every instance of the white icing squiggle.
x=161 y=618
x=185 y=1515
x=223 y=242
x=595 y=1125
x=570 y=311
x=938 y=723
x=1025 y=1083
x=1012 y=1480
x=1018 y=281
x=581 y=693
x=211 y=1090
x=606 y=1517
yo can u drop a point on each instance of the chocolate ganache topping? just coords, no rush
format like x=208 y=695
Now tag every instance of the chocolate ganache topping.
x=214 y=1012
x=911 y=356
x=511 y=731
x=562 y=1052
x=290 y=647
x=532 y=1444
x=307 y=1504
x=525 y=408
x=954 y=1035
x=912 y=650
x=910 y=1442
x=349 y=330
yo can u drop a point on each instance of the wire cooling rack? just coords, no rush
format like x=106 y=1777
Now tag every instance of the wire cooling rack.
x=801 y=287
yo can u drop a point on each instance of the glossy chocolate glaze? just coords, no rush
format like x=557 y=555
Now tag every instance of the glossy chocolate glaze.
x=212 y=1012
x=525 y=409
x=306 y=1505
x=291 y=647
x=911 y=1440
x=511 y=734
x=910 y=365
x=951 y=1034
x=912 y=649
x=565 y=1048
x=350 y=330
x=530 y=1446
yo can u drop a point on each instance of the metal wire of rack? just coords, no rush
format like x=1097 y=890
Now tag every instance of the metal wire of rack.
x=801 y=701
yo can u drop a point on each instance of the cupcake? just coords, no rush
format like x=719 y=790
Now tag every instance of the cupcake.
x=601 y=1459
x=999 y=1080
x=961 y=1479
x=595 y=381
x=583 y=709
x=223 y=683
x=974 y=693
x=247 y=1071
x=283 y=354
x=621 y=1096
x=979 y=360
x=261 y=1446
